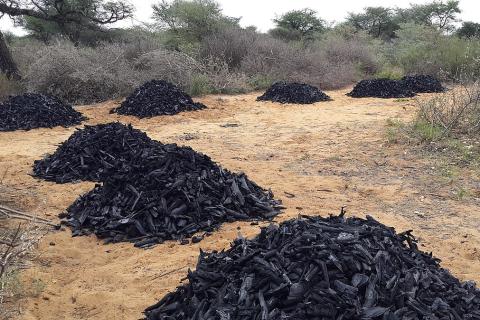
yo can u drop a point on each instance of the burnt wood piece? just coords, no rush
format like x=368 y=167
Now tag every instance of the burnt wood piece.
x=320 y=268
x=165 y=192
x=32 y=110
x=90 y=152
x=155 y=98
x=300 y=93
x=381 y=88
x=423 y=83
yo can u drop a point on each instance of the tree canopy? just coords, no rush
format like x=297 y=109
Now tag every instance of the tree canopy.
x=379 y=22
x=469 y=30
x=298 y=25
x=191 y=20
x=69 y=17
x=382 y=22
x=438 y=14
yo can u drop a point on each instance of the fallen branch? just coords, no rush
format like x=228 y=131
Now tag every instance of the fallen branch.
x=15 y=214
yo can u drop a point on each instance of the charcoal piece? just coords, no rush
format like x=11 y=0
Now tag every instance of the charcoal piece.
x=32 y=110
x=300 y=93
x=167 y=192
x=381 y=88
x=423 y=83
x=90 y=152
x=155 y=98
x=253 y=279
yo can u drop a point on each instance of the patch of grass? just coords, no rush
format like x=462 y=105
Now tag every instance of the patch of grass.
x=389 y=72
x=448 y=171
x=200 y=85
x=466 y=153
x=461 y=193
x=11 y=284
x=425 y=131
x=395 y=130
x=37 y=286
x=260 y=82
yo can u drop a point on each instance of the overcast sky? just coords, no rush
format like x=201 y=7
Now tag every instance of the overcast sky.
x=261 y=12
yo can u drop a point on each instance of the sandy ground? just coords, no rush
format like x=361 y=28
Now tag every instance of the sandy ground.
x=327 y=155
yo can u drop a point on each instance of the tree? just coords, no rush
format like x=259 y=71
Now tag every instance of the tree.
x=469 y=30
x=190 y=21
x=88 y=14
x=379 y=22
x=298 y=25
x=438 y=14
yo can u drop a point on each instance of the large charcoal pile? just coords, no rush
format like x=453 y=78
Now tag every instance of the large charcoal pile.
x=381 y=88
x=422 y=83
x=32 y=110
x=90 y=152
x=321 y=268
x=167 y=192
x=157 y=97
x=300 y=93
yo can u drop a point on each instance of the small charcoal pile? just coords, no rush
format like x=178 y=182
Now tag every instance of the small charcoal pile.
x=381 y=88
x=32 y=110
x=155 y=98
x=321 y=268
x=90 y=152
x=299 y=93
x=422 y=84
x=167 y=192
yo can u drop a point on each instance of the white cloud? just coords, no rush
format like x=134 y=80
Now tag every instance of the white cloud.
x=261 y=12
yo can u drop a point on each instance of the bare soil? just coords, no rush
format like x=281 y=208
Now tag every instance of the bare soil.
x=316 y=158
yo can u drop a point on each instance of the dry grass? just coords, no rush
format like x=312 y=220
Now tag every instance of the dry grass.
x=455 y=112
x=8 y=87
x=18 y=240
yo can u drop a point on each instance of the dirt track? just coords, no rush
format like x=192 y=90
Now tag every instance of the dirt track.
x=316 y=158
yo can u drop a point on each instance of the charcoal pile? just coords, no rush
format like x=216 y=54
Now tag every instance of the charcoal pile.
x=299 y=93
x=320 y=268
x=32 y=110
x=381 y=88
x=423 y=83
x=90 y=152
x=167 y=192
x=155 y=98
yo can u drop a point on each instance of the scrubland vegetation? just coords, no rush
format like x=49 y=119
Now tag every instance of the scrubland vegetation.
x=193 y=44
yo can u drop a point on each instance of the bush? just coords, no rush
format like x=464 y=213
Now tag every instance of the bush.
x=25 y=52
x=331 y=63
x=138 y=41
x=455 y=112
x=82 y=75
x=390 y=72
x=230 y=45
x=421 y=49
x=9 y=87
x=200 y=85
x=172 y=66
x=223 y=80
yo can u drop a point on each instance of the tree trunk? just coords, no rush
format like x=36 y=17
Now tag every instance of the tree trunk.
x=7 y=64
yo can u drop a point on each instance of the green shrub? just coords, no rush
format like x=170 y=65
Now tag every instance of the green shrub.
x=390 y=72
x=260 y=82
x=421 y=49
x=200 y=85
x=425 y=131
